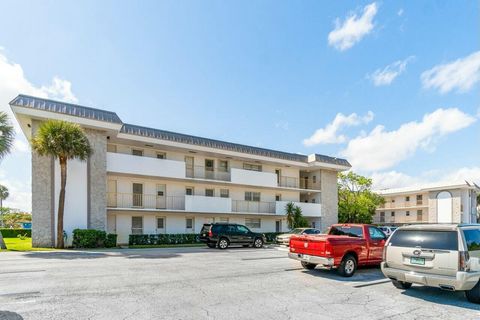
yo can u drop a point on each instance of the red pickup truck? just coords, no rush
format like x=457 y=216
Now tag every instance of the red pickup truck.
x=345 y=247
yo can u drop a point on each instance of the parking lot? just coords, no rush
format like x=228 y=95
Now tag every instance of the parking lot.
x=201 y=283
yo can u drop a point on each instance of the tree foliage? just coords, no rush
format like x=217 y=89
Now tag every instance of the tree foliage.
x=295 y=218
x=63 y=141
x=7 y=135
x=356 y=201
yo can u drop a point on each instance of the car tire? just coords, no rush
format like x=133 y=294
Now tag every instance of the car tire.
x=211 y=245
x=258 y=243
x=308 y=266
x=473 y=295
x=401 y=284
x=223 y=243
x=348 y=266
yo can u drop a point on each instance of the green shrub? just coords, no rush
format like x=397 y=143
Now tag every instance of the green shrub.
x=89 y=238
x=13 y=233
x=111 y=240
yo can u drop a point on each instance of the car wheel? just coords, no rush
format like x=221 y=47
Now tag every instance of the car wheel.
x=401 y=284
x=211 y=245
x=348 y=266
x=258 y=243
x=223 y=243
x=308 y=266
x=473 y=295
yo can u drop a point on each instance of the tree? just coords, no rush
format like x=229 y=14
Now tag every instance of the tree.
x=63 y=141
x=6 y=135
x=356 y=201
x=295 y=219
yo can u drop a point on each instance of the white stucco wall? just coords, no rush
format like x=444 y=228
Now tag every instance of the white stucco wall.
x=207 y=204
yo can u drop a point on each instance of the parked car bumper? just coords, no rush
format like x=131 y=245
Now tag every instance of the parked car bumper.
x=283 y=241
x=311 y=259
x=462 y=280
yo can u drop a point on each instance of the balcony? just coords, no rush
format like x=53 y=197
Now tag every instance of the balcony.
x=255 y=178
x=253 y=206
x=308 y=209
x=201 y=172
x=288 y=182
x=130 y=164
x=402 y=205
x=207 y=204
x=307 y=184
x=145 y=201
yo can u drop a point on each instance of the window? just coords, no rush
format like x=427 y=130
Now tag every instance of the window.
x=189 y=223
x=209 y=192
x=161 y=155
x=392 y=214
x=313 y=200
x=376 y=234
x=356 y=232
x=419 y=199
x=252 y=167
x=137 y=152
x=137 y=194
x=472 y=238
x=407 y=213
x=407 y=198
x=419 y=215
x=382 y=216
x=111 y=148
x=278 y=197
x=224 y=193
x=252 y=196
x=223 y=165
x=441 y=240
x=161 y=223
x=137 y=225
x=253 y=223
x=209 y=164
x=393 y=200
x=189 y=191
x=278 y=173
x=311 y=231
x=314 y=179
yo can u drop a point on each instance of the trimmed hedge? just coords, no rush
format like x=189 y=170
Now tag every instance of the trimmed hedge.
x=90 y=238
x=13 y=233
x=160 y=239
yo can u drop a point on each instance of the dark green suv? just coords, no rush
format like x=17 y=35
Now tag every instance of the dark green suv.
x=222 y=235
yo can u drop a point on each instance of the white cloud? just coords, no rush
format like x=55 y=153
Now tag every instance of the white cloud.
x=400 y=12
x=329 y=134
x=459 y=75
x=385 y=76
x=381 y=149
x=394 y=179
x=347 y=33
x=12 y=82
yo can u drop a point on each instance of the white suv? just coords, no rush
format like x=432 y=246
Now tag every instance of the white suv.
x=443 y=256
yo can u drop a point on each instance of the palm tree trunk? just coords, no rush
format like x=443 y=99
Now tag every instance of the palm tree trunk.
x=61 y=202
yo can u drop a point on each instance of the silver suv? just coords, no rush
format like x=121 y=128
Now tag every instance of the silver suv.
x=443 y=256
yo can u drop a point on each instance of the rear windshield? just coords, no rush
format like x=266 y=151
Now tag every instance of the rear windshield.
x=472 y=237
x=356 y=232
x=205 y=228
x=441 y=240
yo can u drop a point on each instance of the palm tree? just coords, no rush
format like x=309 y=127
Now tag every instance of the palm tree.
x=290 y=213
x=3 y=195
x=6 y=135
x=63 y=141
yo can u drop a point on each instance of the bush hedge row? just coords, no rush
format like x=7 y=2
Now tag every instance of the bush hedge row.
x=13 y=233
x=89 y=238
x=159 y=239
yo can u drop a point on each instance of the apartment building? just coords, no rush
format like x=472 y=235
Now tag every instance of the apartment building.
x=441 y=203
x=148 y=181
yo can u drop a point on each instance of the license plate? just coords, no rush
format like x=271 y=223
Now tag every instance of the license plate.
x=415 y=260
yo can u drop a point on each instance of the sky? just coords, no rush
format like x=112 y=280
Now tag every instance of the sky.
x=392 y=86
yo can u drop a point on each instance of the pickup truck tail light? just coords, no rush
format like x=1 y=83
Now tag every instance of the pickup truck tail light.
x=463 y=258
x=328 y=249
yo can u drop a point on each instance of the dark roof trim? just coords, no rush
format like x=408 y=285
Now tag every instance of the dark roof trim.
x=65 y=108
x=111 y=117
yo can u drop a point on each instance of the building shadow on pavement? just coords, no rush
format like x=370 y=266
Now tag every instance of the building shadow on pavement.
x=363 y=274
x=74 y=255
x=439 y=296
x=8 y=315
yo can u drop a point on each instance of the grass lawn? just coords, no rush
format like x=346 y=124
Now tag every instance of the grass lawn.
x=17 y=244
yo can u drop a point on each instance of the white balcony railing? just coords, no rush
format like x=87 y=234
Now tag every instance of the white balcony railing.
x=147 y=166
x=308 y=209
x=145 y=201
x=202 y=172
x=255 y=178
x=253 y=206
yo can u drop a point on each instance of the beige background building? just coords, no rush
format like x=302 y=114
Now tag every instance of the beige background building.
x=441 y=203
